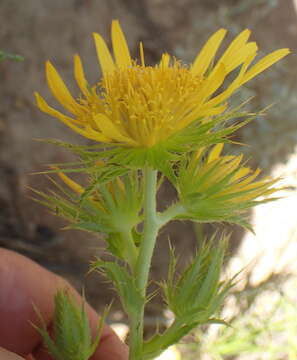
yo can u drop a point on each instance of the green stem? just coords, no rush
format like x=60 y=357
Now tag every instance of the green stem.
x=150 y=229
x=170 y=213
x=150 y=232
x=171 y=335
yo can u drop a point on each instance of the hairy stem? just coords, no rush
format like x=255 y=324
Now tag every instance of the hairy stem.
x=150 y=232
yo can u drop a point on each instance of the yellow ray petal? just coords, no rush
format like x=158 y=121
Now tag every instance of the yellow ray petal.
x=43 y=106
x=235 y=46
x=213 y=173
x=256 y=185
x=241 y=185
x=207 y=53
x=241 y=173
x=203 y=113
x=80 y=76
x=251 y=177
x=69 y=182
x=228 y=164
x=119 y=45
x=254 y=190
x=215 y=152
x=246 y=52
x=95 y=135
x=103 y=54
x=212 y=83
x=236 y=83
x=222 y=166
x=78 y=188
x=111 y=131
x=211 y=111
x=197 y=155
x=264 y=63
x=254 y=195
x=59 y=89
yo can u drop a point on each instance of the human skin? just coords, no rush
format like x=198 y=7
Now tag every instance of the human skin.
x=24 y=283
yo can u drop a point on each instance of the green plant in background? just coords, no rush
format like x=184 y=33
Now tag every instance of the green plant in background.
x=7 y=56
x=172 y=119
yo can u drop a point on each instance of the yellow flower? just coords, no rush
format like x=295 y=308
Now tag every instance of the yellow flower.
x=219 y=188
x=135 y=105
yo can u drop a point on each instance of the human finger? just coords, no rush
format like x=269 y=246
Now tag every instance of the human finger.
x=24 y=283
x=7 y=355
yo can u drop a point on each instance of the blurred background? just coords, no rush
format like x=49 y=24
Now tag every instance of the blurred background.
x=261 y=309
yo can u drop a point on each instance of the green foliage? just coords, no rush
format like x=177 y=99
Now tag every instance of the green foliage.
x=8 y=56
x=194 y=296
x=198 y=289
x=111 y=208
x=72 y=338
x=124 y=284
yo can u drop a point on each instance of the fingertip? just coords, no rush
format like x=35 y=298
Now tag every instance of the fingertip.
x=25 y=285
x=7 y=355
x=111 y=347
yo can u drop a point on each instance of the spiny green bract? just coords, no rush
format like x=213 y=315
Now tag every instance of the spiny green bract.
x=123 y=282
x=198 y=290
x=214 y=187
x=112 y=208
x=72 y=338
x=194 y=297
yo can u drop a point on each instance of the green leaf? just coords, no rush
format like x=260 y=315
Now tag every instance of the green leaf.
x=124 y=283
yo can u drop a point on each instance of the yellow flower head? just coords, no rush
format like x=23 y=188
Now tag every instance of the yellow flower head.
x=138 y=106
x=219 y=188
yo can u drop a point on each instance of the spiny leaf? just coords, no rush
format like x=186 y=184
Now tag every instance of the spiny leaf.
x=123 y=282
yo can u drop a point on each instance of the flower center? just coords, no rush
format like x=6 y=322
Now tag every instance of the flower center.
x=146 y=103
